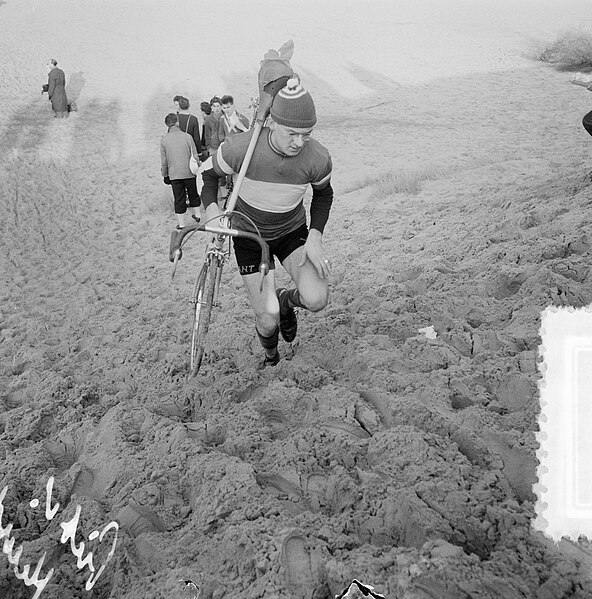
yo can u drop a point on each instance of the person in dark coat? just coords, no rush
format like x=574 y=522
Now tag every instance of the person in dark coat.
x=206 y=110
x=187 y=121
x=212 y=125
x=56 y=89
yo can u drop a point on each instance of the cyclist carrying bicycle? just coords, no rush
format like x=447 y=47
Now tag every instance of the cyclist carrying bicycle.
x=285 y=161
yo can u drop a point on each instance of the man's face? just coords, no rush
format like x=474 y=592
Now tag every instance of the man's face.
x=290 y=140
x=216 y=107
x=228 y=109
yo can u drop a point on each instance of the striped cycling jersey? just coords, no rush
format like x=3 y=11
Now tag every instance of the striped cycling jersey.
x=274 y=186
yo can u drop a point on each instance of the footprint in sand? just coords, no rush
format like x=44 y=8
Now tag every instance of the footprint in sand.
x=300 y=566
x=137 y=520
x=315 y=487
x=91 y=482
x=286 y=492
x=315 y=483
x=84 y=484
x=67 y=449
x=15 y=399
x=342 y=427
x=279 y=424
x=278 y=485
x=309 y=494
x=380 y=403
x=64 y=452
x=253 y=392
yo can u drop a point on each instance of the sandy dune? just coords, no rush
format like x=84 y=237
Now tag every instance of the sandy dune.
x=463 y=186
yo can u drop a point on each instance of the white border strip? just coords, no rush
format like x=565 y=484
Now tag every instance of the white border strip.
x=564 y=490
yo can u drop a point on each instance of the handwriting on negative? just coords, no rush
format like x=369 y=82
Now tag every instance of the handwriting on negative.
x=69 y=529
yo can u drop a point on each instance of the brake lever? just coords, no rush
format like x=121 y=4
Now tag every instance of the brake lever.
x=175 y=245
x=264 y=270
x=177 y=256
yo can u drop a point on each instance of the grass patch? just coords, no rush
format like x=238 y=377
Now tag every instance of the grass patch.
x=571 y=51
x=406 y=180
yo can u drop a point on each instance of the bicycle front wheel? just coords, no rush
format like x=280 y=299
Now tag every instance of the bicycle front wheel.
x=202 y=310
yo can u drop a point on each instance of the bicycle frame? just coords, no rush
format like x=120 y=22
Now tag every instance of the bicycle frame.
x=205 y=294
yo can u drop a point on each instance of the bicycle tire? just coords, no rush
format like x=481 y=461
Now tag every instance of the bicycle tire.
x=202 y=310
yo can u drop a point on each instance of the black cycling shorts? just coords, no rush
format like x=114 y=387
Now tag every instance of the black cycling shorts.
x=248 y=252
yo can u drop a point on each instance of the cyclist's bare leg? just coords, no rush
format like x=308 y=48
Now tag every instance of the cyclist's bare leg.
x=312 y=293
x=266 y=307
x=313 y=290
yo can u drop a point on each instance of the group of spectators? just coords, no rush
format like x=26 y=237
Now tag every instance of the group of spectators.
x=185 y=138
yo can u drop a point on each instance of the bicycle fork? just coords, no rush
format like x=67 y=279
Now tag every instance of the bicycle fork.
x=217 y=286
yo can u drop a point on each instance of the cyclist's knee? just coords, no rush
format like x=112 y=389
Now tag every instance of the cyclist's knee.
x=267 y=322
x=316 y=300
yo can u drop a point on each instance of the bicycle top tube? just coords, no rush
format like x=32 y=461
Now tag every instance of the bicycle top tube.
x=178 y=236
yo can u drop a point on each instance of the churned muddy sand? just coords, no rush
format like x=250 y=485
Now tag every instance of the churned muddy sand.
x=463 y=184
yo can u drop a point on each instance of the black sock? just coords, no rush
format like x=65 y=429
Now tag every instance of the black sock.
x=292 y=299
x=269 y=343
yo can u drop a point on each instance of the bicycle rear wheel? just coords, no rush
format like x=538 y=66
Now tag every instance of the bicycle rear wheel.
x=204 y=300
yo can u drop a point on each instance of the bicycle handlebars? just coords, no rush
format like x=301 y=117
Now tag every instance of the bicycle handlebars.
x=176 y=253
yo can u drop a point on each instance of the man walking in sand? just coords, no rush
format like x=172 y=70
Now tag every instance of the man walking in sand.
x=56 y=89
x=176 y=149
x=285 y=161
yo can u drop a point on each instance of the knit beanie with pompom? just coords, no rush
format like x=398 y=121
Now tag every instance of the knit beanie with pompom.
x=293 y=106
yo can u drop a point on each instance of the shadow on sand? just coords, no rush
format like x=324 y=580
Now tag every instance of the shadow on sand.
x=25 y=128
x=75 y=85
